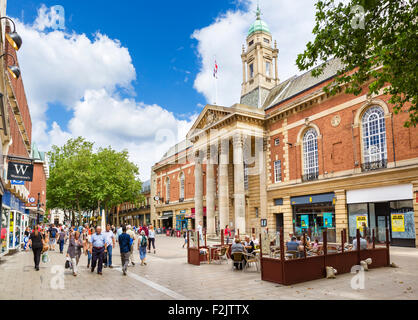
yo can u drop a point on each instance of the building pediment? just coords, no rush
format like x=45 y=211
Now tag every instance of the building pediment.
x=209 y=116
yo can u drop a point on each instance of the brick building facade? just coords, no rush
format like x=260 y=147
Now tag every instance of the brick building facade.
x=293 y=156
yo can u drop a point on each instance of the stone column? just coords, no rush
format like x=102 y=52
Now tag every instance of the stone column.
x=198 y=194
x=223 y=185
x=239 y=188
x=275 y=68
x=287 y=217
x=341 y=216
x=210 y=196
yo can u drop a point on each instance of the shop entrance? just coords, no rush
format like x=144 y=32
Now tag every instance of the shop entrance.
x=279 y=221
x=382 y=211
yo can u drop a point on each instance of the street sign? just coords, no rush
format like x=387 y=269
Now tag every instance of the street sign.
x=263 y=223
x=17 y=183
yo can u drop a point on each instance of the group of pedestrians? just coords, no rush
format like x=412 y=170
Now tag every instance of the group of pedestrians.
x=98 y=245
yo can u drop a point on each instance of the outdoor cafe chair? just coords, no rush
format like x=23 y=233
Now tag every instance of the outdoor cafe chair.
x=237 y=259
x=250 y=259
x=221 y=254
x=290 y=254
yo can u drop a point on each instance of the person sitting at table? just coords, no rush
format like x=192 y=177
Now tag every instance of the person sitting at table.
x=254 y=239
x=363 y=244
x=249 y=245
x=293 y=245
x=235 y=248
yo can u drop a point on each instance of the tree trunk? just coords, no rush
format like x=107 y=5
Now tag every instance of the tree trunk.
x=72 y=217
x=80 y=216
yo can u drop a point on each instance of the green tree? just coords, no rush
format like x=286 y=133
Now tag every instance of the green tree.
x=82 y=180
x=377 y=43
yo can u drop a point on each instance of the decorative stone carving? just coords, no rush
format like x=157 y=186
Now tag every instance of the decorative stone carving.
x=335 y=121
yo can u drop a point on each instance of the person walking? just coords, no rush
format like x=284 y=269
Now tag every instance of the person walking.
x=74 y=250
x=37 y=242
x=125 y=249
x=151 y=238
x=110 y=241
x=227 y=234
x=61 y=240
x=98 y=248
x=53 y=232
x=142 y=246
x=200 y=230
x=86 y=246
x=185 y=237
x=132 y=235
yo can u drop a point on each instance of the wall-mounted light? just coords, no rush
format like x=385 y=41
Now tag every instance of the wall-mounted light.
x=13 y=37
x=13 y=69
x=289 y=144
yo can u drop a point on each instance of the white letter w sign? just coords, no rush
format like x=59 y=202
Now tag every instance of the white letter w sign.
x=20 y=171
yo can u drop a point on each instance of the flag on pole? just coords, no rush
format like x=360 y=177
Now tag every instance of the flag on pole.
x=215 y=71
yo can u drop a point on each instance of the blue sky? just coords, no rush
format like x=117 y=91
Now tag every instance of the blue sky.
x=135 y=74
x=158 y=35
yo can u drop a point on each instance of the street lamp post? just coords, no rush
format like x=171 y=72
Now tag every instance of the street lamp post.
x=38 y=206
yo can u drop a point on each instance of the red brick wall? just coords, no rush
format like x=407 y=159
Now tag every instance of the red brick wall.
x=38 y=184
x=19 y=90
x=340 y=146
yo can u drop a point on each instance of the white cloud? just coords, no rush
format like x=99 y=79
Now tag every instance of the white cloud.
x=291 y=24
x=87 y=77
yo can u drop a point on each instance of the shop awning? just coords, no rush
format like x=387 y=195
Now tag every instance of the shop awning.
x=380 y=194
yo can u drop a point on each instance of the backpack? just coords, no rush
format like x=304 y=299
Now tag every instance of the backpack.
x=53 y=233
x=143 y=241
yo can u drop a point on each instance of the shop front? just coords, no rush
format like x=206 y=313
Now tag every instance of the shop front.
x=181 y=220
x=167 y=219
x=17 y=220
x=314 y=214
x=380 y=208
x=5 y=227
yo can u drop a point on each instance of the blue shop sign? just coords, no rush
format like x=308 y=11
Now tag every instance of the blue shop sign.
x=315 y=198
x=13 y=202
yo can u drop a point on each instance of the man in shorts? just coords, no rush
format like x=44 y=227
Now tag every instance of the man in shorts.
x=53 y=233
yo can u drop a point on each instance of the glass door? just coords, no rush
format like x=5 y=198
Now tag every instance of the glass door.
x=382 y=221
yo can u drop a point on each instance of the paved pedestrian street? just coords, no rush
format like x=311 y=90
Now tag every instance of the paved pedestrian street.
x=168 y=276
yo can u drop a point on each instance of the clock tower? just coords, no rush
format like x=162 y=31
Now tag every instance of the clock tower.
x=259 y=64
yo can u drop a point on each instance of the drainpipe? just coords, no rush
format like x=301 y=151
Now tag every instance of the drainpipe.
x=393 y=140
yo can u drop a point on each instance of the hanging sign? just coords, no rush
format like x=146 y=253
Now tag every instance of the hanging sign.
x=398 y=222
x=304 y=221
x=20 y=170
x=327 y=216
x=359 y=222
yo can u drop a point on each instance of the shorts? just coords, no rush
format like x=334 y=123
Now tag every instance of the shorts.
x=52 y=241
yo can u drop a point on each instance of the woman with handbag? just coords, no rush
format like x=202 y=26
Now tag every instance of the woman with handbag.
x=74 y=250
x=37 y=242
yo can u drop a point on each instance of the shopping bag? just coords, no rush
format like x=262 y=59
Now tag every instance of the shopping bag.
x=45 y=257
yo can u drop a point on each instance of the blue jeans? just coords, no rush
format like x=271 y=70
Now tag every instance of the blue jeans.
x=142 y=252
x=61 y=242
x=88 y=257
x=109 y=256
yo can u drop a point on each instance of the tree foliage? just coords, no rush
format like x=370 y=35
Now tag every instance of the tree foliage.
x=83 y=180
x=377 y=44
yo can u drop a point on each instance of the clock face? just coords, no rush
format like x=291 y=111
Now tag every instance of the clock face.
x=156 y=198
x=336 y=120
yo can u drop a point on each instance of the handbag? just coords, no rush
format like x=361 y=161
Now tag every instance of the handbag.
x=67 y=263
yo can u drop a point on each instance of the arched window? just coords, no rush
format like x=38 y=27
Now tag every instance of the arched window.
x=181 y=186
x=167 y=189
x=310 y=154
x=374 y=137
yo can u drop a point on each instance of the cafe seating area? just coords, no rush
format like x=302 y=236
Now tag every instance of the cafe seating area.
x=307 y=260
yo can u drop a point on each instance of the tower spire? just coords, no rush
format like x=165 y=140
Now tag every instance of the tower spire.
x=258 y=12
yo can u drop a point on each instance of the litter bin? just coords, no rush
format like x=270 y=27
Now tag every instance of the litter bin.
x=178 y=234
x=168 y=233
